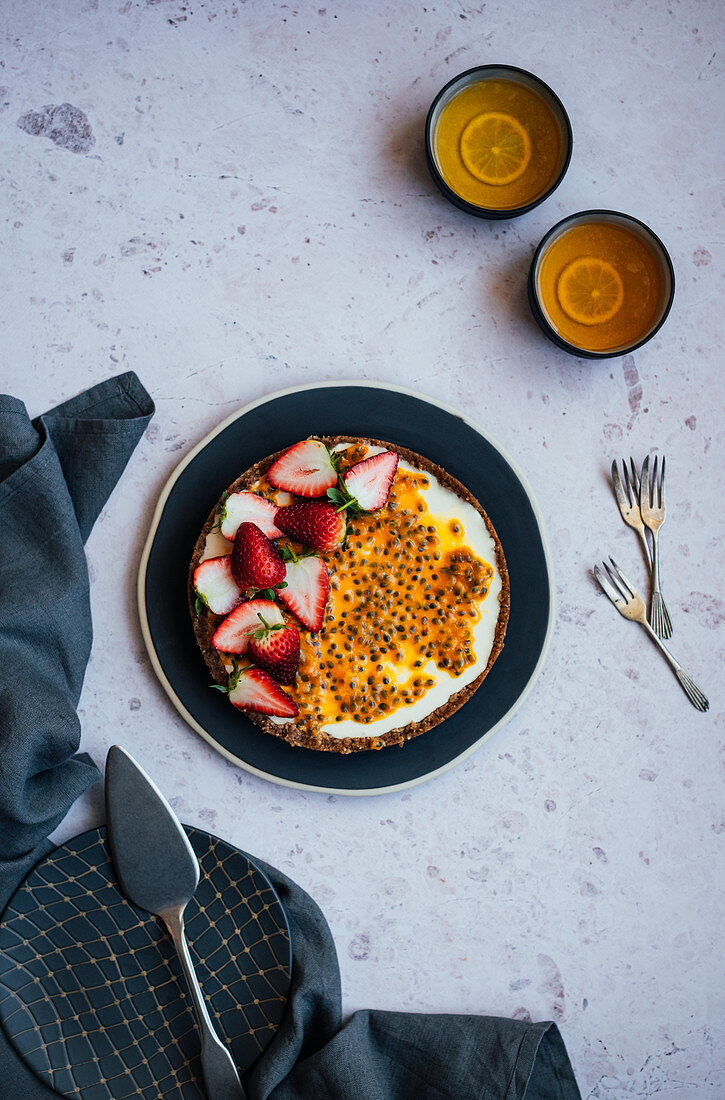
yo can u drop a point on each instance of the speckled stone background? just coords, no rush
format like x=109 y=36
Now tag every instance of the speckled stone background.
x=234 y=201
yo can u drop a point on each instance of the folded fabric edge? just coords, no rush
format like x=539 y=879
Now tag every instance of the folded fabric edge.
x=12 y=404
x=42 y=464
x=541 y=1053
x=126 y=386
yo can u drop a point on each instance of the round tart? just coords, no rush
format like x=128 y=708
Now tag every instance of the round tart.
x=398 y=627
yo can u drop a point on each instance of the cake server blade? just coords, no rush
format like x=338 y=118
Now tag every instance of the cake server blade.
x=155 y=863
x=158 y=871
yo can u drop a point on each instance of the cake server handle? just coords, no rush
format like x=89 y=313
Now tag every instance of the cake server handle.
x=221 y=1079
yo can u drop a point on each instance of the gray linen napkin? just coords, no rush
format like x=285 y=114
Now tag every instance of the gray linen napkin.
x=56 y=474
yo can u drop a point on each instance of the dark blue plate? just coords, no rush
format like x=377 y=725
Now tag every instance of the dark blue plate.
x=380 y=412
x=92 y=995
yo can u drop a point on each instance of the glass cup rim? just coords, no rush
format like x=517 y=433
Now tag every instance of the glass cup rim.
x=540 y=313
x=488 y=211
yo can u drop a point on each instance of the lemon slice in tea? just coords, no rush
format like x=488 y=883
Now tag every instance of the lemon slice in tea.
x=590 y=290
x=495 y=148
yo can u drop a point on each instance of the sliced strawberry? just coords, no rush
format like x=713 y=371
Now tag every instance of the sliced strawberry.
x=233 y=634
x=215 y=585
x=308 y=584
x=256 y=561
x=316 y=523
x=276 y=649
x=256 y=690
x=248 y=508
x=369 y=481
x=305 y=469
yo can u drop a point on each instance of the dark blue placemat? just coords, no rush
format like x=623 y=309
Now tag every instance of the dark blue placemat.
x=92 y=994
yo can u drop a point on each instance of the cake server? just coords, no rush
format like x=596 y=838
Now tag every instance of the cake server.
x=159 y=872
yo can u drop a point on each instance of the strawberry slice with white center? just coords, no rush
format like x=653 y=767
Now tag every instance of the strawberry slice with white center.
x=369 y=481
x=306 y=470
x=215 y=585
x=256 y=690
x=234 y=633
x=248 y=508
x=276 y=649
x=308 y=585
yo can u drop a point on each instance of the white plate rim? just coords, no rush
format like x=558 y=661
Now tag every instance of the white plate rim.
x=168 y=688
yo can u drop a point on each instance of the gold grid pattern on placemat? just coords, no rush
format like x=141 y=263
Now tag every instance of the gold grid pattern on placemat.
x=91 y=992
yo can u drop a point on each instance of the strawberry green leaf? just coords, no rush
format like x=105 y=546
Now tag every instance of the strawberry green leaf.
x=288 y=554
x=233 y=678
x=235 y=674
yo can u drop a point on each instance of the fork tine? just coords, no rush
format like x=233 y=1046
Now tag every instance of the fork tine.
x=635 y=477
x=662 y=484
x=631 y=498
x=644 y=484
x=617 y=484
x=654 y=481
x=625 y=580
x=605 y=586
x=617 y=584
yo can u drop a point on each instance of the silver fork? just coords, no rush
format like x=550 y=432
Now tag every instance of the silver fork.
x=652 y=510
x=629 y=603
x=627 y=492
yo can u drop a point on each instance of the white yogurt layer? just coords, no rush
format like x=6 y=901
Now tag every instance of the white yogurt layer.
x=444 y=506
x=216 y=546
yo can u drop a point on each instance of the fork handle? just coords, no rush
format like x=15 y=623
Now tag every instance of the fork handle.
x=655 y=563
x=692 y=691
x=645 y=543
x=659 y=616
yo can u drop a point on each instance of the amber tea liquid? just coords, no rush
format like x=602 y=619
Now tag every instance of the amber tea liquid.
x=498 y=144
x=600 y=286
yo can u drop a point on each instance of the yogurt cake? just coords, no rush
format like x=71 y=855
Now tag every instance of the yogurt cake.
x=384 y=630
